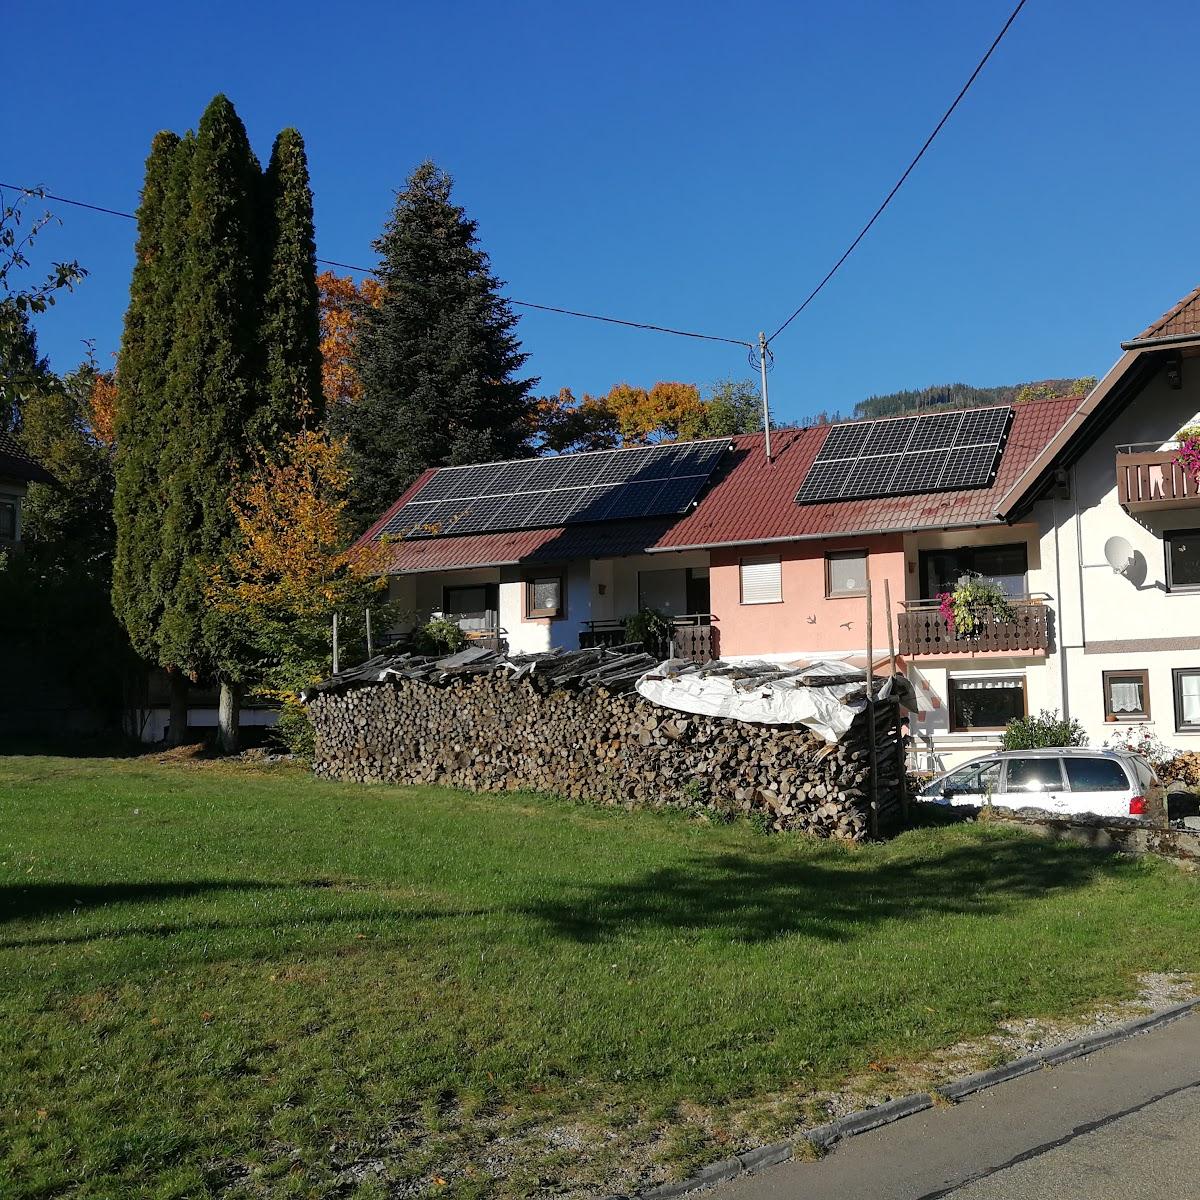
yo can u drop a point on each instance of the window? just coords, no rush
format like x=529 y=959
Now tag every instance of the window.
x=1005 y=565
x=762 y=580
x=985 y=702
x=846 y=573
x=544 y=596
x=474 y=607
x=1095 y=775
x=1187 y=698
x=1033 y=775
x=1126 y=695
x=977 y=780
x=8 y=520
x=1183 y=559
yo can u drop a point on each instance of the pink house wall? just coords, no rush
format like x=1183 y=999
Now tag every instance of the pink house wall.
x=806 y=620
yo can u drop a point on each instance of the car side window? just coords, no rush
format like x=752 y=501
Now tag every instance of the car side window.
x=972 y=779
x=1095 y=775
x=1033 y=775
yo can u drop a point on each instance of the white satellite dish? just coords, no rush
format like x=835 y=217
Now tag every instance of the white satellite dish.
x=1118 y=553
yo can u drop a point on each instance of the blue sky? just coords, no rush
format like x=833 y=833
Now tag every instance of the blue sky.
x=698 y=165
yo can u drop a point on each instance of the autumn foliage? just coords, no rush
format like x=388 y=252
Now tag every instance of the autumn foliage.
x=102 y=403
x=341 y=299
x=292 y=567
x=637 y=416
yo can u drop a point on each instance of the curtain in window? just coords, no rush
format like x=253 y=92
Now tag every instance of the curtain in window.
x=973 y=685
x=1126 y=697
x=1189 y=698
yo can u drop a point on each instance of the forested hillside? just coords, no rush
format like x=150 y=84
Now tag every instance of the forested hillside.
x=964 y=395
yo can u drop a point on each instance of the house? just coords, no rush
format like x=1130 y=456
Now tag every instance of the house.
x=17 y=472
x=768 y=559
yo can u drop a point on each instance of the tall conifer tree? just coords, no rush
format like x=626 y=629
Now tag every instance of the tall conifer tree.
x=290 y=329
x=211 y=398
x=141 y=396
x=438 y=359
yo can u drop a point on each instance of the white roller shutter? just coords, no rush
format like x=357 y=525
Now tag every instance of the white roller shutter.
x=762 y=580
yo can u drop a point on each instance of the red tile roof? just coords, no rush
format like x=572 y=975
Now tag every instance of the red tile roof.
x=1182 y=319
x=749 y=501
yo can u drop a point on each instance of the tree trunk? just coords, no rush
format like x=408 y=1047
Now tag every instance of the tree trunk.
x=229 y=716
x=177 y=729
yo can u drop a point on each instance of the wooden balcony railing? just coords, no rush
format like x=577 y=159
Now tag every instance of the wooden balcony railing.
x=694 y=636
x=1148 y=478
x=923 y=631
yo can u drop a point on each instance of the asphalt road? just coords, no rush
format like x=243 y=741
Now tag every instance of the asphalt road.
x=1121 y=1123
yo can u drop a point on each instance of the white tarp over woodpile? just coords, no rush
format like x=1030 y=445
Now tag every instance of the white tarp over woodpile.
x=812 y=695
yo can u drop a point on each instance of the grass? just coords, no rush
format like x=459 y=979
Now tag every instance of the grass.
x=235 y=982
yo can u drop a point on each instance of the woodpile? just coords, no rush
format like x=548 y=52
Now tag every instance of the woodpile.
x=1184 y=768
x=572 y=725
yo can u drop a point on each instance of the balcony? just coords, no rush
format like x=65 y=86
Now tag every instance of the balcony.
x=924 y=632
x=694 y=636
x=1150 y=478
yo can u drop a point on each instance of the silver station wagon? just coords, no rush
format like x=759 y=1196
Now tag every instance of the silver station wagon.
x=1105 y=783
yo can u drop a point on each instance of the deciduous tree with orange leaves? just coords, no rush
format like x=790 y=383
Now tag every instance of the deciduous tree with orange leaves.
x=342 y=300
x=293 y=568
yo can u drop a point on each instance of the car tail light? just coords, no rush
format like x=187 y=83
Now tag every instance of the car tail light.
x=1137 y=806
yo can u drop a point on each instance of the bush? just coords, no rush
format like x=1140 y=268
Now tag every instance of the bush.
x=293 y=732
x=439 y=637
x=652 y=628
x=1044 y=732
x=1140 y=740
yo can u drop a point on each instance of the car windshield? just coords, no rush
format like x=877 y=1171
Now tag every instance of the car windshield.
x=974 y=777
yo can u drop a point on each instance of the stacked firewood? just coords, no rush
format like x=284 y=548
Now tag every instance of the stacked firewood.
x=1184 y=768
x=579 y=734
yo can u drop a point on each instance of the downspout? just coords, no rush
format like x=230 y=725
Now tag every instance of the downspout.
x=1062 y=649
x=1078 y=554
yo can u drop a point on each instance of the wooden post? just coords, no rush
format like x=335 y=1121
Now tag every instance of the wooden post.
x=335 y=643
x=370 y=639
x=873 y=792
x=903 y=763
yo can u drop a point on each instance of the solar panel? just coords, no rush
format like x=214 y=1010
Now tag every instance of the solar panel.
x=932 y=452
x=561 y=489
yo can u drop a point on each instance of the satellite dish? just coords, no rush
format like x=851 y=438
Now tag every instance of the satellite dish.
x=1118 y=553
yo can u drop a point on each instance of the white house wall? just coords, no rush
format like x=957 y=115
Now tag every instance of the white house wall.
x=1105 y=621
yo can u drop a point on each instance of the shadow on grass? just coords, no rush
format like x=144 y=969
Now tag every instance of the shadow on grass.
x=19 y=901
x=751 y=899
x=47 y=900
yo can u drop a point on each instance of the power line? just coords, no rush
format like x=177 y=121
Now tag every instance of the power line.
x=862 y=233
x=330 y=262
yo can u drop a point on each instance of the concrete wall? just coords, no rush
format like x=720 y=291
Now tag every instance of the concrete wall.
x=806 y=622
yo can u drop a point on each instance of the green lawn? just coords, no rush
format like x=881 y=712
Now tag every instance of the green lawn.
x=223 y=981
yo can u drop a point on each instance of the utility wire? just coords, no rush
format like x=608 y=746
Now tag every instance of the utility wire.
x=862 y=233
x=330 y=262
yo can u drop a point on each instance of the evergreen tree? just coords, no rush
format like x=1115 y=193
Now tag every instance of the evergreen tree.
x=212 y=398
x=437 y=358
x=141 y=389
x=23 y=370
x=290 y=327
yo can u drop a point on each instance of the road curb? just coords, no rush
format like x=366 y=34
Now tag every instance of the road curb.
x=824 y=1136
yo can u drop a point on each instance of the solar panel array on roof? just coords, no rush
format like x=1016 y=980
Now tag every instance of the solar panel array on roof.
x=567 y=489
x=934 y=452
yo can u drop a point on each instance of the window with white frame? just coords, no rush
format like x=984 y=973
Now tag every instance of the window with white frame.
x=1187 y=699
x=762 y=580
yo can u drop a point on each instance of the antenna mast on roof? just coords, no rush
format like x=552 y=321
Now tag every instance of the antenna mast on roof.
x=766 y=408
